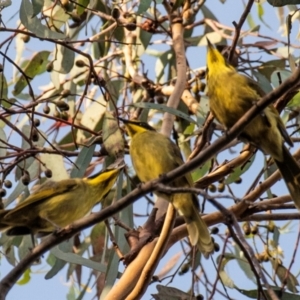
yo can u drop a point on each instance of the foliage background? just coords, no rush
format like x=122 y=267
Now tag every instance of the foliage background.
x=263 y=45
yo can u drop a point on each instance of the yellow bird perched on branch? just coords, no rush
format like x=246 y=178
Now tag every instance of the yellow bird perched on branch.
x=57 y=204
x=231 y=95
x=152 y=155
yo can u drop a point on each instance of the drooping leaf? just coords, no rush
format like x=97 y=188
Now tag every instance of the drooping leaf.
x=35 y=66
x=82 y=162
x=33 y=24
x=165 y=108
x=254 y=294
x=143 y=6
x=26 y=277
x=3 y=145
x=285 y=276
x=64 y=59
x=112 y=137
x=239 y=171
x=37 y=7
x=58 y=264
x=171 y=293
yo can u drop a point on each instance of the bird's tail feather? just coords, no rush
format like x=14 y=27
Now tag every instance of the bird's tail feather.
x=290 y=171
x=197 y=228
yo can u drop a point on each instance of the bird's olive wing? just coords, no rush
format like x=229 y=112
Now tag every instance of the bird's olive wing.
x=255 y=86
x=175 y=151
x=45 y=191
x=284 y=133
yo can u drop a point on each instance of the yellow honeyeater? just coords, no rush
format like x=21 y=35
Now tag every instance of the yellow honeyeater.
x=152 y=155
x=231 y=95
x=57 y=204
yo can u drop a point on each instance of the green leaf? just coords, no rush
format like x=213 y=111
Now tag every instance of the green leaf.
x=71 y=294
x=26 y=277
x=200 y=40
x=58 y=264
x=29 y=163
x=165 y=108
x=82 y=4
x=285 y=276
x=3 y=90
x=33 y=24
x=76 y=259
x=37 y=7
x=267 y=68
x=279 y=76
x=143 y=38
x=112 y=137
x=202 y=110
x=263 y=82
x=35 y=66
x=200 y=172
x=161 y=63
x=64 y=59
x=92 y=116
x=295 y=101
x=171 y=293
x=25 y=246
x=260 y=13
x=82 y=162
x=3 y=146
x=244 y=264
x=143 y=7
x=56 y=164
x=276 y=236
x=254 y=294
x=237 y=172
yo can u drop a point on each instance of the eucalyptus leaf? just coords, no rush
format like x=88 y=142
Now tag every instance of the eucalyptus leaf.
x=82 y=162
x=33 y=24
x=165 y=108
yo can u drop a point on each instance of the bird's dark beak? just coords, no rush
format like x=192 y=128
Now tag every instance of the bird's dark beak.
x=209 y=44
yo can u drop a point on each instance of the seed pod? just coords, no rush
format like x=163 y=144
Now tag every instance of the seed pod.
x=25 y=38
x=216 y=247
x=2 y=192
x=46 y=109
x=214 y=230
x=64 y=116
x=62 y=105
x=254 y=229
x=212 y=188
x=57 y=114
x=65 y=93
x=80 y=63
x=271 y=226
x=246 y=228
x=160 y=99
x=238 y=181
x=7 y=184
x=49 y=67
x=25 y=179
x=130 y=26
x=48 y=173
x=36 y=122
x=115 y=13
x=35 y=135
x=184 y=269
x=221 y=187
